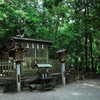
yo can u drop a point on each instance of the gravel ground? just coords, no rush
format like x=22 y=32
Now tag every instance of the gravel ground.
x=80 y=90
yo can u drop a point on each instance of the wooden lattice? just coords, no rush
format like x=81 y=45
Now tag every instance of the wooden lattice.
x=7 y=68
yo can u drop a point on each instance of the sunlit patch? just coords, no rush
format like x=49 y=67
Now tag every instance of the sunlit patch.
x=98 y=87
x=77 y=94
x=89 y=84
x=92 y=85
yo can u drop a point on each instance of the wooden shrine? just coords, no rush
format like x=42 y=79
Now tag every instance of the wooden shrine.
x=34 y=52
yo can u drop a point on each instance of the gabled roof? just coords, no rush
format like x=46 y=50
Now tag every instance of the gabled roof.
x=12 y=46
x=15 y=43
x=31 y=40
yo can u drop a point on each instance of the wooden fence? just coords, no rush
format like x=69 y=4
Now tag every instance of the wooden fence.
x=7 y=68
x=57 y=66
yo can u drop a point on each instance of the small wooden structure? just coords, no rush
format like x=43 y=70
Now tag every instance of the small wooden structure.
x=62 y=58
x=37 y=52
x=44 y=79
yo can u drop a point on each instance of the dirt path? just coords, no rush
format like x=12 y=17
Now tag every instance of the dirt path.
x=81 y=90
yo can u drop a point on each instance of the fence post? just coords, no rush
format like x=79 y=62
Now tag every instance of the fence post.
x=18 y=76
x=63 y=73
x=0 y=68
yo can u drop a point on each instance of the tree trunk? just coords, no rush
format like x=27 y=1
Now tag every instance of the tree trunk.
x=86 y=34
x=91 y=53
x=86 y=37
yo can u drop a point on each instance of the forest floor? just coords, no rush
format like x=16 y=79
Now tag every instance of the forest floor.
x=88 y=89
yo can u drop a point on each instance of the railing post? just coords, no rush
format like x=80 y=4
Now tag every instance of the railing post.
x=63 y=72
x=18 y=77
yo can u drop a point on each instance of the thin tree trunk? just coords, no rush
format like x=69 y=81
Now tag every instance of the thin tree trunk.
x=91 y=53
x=56 y=32
x=86 y=36
x=86 y=57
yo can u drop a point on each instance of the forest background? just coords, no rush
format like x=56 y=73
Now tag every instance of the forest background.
x=70 y=24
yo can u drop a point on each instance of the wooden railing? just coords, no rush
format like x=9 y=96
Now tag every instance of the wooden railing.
x=7 y=68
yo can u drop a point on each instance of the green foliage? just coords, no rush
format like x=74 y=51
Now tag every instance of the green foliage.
x=71 y=24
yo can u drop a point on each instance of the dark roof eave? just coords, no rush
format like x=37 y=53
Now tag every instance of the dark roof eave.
x=31 y=40
x=62 y=50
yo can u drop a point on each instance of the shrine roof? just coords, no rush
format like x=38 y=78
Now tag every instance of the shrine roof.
x=12 y=46
x=31 y=40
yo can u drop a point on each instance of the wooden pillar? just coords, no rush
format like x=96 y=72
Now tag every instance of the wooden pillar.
x=18 y=77
x=63 y=73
